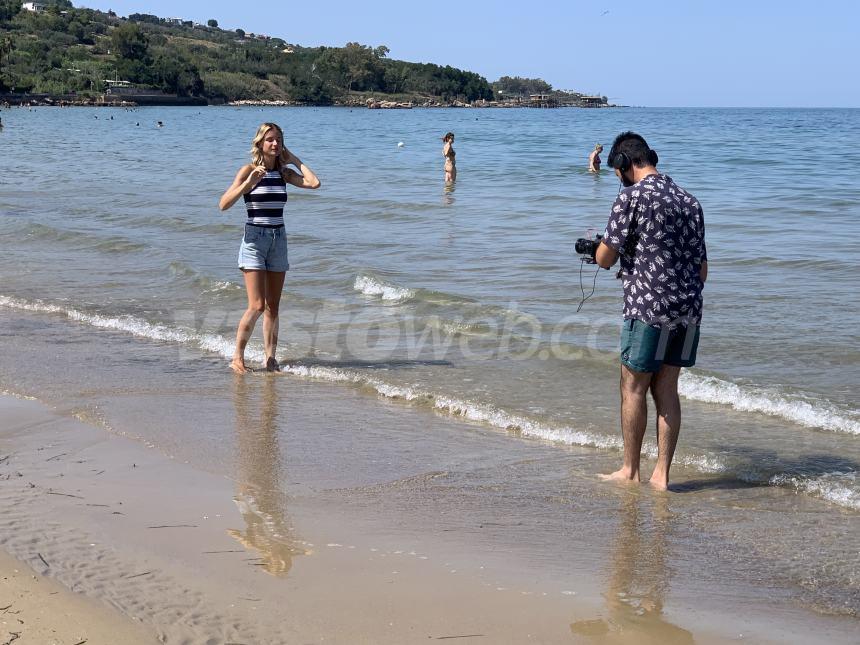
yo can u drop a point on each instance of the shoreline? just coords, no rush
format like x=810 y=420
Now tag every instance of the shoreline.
x=195 y=548
x=194 y=101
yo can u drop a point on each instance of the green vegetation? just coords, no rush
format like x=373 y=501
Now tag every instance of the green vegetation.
x=66 y=50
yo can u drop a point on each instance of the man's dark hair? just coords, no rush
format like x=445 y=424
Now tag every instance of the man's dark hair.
x=634 y=146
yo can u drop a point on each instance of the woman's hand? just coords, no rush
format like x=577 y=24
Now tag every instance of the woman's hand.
x=247 y=177
x=293 y=159
x=254 y=177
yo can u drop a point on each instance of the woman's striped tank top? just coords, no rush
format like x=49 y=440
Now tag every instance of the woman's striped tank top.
x=266 y=202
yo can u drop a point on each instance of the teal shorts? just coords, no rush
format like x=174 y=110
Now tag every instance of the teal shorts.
x=647 y=349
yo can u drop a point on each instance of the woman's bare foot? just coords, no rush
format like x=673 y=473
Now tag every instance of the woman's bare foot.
x=238 y=365
x=621 y=475
x=272 y=365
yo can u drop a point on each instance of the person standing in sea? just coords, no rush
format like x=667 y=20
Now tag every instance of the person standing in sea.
x=263 y=252
x=450 y=158
x=594 y=158
x=658 y=230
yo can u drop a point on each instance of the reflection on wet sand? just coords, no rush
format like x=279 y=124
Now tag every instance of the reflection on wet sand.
x=639 y=579
x=258 y=492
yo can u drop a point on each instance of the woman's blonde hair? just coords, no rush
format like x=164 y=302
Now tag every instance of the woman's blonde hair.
x=257 y=145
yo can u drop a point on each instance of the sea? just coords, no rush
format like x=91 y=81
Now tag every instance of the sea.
x=466 y=300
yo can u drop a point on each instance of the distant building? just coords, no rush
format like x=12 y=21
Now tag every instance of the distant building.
x=114 y=86
x=36 y=7
x=288 y=50
x=592 y=101
x=173 y=21
x=542 y=101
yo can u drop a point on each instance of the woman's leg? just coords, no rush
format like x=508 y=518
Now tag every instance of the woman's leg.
x=274 y=287
x=255 y=285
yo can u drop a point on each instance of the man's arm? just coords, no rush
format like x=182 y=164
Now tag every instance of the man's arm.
x=606 y=256
x=703 y=271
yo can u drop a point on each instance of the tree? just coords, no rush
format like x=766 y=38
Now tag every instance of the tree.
x=9 y=9
x=5 y=51
x=177 y=76
x=145 y=17
x=212 y=23
x=240 y=33
x=130 y=42
x=518 y=86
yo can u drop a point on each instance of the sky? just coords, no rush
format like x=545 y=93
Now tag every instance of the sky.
x=672 y=53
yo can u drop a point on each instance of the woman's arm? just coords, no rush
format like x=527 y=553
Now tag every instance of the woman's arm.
x=304 y=178
x=247 y=177
x=446 y=148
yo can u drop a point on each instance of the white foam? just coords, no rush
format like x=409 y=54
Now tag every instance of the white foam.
x=836 y=487
x=222 y=285
x=371 y=286
x=816 y=414
x=471 y=410
x=137 y=327
x=839 y=488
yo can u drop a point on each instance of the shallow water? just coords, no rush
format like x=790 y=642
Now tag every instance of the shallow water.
x=463 y=301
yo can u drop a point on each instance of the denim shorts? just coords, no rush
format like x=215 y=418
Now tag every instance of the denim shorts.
x=264 y=249
x=647 y=349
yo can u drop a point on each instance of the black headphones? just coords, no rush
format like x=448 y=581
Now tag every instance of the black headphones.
x=621 y=162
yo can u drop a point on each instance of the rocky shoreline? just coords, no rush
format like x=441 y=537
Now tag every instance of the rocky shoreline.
x=33 y=100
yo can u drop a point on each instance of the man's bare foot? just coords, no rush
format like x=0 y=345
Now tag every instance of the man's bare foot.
x=272 y=365
x=659 y=483
x=621 y=475
x=238 y=366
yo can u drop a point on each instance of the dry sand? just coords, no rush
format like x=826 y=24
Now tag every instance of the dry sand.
x=37 y=609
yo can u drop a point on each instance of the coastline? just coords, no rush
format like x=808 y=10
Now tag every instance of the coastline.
x=370 y=521
x=122 y=101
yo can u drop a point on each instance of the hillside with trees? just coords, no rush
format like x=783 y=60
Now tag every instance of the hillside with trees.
x=63 y=50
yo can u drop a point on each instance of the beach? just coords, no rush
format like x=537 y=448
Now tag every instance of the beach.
x=186 y=555
x=425 y=466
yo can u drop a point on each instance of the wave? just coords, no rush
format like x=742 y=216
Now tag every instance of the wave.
x=107 y=244
x=812 y=414
x=134 y=326
x=370 y=286
x=805 y=411
x=471 y=314
x=838 y=487
x=202 y=282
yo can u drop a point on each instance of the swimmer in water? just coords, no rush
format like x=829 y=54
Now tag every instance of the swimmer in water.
x=594 y=158
x=450 y=158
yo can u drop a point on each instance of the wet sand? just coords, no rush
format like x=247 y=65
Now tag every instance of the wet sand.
x=211 y=508
x=164 y=544
x=341 y=553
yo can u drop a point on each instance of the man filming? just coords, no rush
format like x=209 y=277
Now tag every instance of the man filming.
x=658 y=231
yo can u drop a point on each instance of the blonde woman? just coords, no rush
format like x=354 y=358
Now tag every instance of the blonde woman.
x=594 y=158
x=450 y=158
x=263 y=252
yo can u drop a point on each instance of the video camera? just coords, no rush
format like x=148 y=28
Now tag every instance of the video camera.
x=587 y=247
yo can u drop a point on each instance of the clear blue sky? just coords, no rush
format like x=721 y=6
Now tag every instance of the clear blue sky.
x=654 y=53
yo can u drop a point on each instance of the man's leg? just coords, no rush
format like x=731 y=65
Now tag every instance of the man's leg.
x=634 y=418
x=664 y=389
